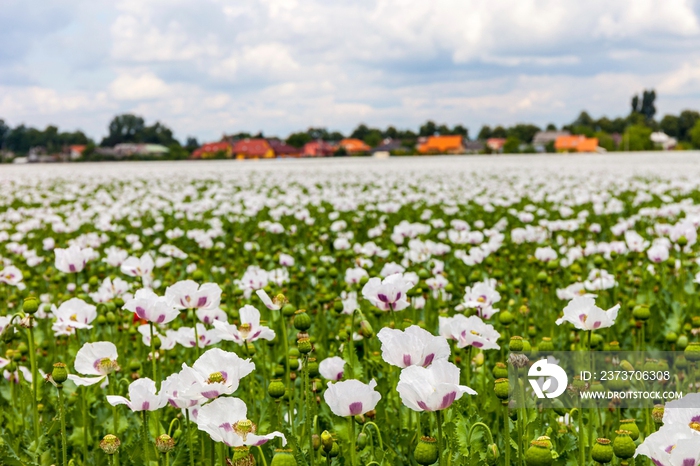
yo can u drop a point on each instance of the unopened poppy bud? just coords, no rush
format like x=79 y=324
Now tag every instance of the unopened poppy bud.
x=30 y=305
x=641 y=312
x=602 y=451
x=302 y=320
x=164 y=443
x=491 y=454
x=283 y=457
x=288 y=310
x=362 y=441
x=366 y=329
x=426 y=451
x=59 y=374
x=333 y=452
x=326 y=440
x=505 y=317
x=134 y=365
x=156 y=342
x=316 y=441
x=623 y=445
x=657 y=414
x=626 y=366
x=110 y=444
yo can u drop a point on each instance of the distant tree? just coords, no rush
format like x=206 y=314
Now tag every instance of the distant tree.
x=334 y=136
x=157 y=133
x=461 y=130
x=499 y=132
x=669 y=125
x=583 y=130
x=605 y=141
x=360 y=132
x=636 y=108
x=484 y=133
x=373 y=138
x=686 y=121
x=191 y=144
x=512 y=145
x=694 y=135
x=647 y=108
x=391 y=132
x=4 y=129
x=551 y=127
x=523 y=132
x=124 y=128
x=428 y=129
x=637 y=137
x=298 y=139
x=584 y=119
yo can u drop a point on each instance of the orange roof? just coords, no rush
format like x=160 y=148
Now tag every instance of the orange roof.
x=441 y=144
x=354 y=145
x=251 y=147
x=576 y=143
x=79 y=148
x=212 y=148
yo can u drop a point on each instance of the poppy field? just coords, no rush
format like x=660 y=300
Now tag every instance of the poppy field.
x=344 y=312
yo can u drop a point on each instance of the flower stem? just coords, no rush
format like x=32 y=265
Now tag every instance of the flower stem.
x=506 y=433
x=35 y=381
x=62 y=415
x=145 y=437
x=189 y=437
x=351 y=435
x=153 y=358
x=85 y=426
x=196 y=337
x=438 y=416
x=307 y=407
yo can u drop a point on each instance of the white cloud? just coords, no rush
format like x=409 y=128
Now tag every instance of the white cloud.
x=142 y=86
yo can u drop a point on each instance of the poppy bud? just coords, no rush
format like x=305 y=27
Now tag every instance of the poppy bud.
x=602 y=451
x=505 y=317
x=302 y=320
x=641 y=312
x=59 y=374
x=283 y=457
x=657 y=414
x=491 y=454
x=426 y=451
x=110 y=444
x=326 y=440
x=276 y=389
x=134 y=365
x=30 y=305
x=164 y=443
x=366 y=329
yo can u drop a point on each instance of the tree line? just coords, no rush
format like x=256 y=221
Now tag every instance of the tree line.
x=631 y=132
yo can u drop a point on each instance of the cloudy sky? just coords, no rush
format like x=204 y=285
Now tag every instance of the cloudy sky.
x=204 y=67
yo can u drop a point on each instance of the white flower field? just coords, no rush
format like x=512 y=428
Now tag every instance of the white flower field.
x=347 y=311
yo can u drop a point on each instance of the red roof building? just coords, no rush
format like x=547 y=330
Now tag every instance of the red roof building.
x=253 y=149
x=212 y=149
x=282 y=149
x=317 y=149
x=354 y=146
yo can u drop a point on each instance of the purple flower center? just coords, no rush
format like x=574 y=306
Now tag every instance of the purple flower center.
x=355 y=408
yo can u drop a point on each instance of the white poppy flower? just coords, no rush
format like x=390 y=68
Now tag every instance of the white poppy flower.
x=413 y=346
x=583 y=313
x=248 y=331
x=142 y=396
x=97 y=359
x=351 y=397
x=332 y=368
x=431 y=388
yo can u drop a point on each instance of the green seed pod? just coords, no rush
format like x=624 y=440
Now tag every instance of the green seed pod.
x=630 y=425
x=602 y=451
x=304 y=345
x=293 y=364
x=59 y=374
x=288 y=310
x=338 y=305
x=641 y=312
x=134 y=365
x=426 y=451
x=506 y=317
x=546 y=345
x=283 y=457
x=692 y=351
x=623 y=445
x=30 y=305
x=101 y=320
x=312 y=366
x=682 y=342
x=302 y=320
x=542 y=276
x=516 y=344
x=500 y=371
x=671 y=337
x=539 y=453
x=276 y=388
x=501 y=388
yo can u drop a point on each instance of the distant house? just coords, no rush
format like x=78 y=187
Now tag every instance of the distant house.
x=76 y=151
x=317 y=149
x=212 y=149
x=354 y=146
x=282 y=149
x=388 y=145
x=473 y=147
x=257 y=148
x=542 y=138
x=495 y=144
x=663 y=140
x=576 y=143
x=442 y=145
x=129 y=149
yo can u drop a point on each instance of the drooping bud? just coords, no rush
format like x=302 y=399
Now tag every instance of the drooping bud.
x=366 y=329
